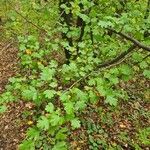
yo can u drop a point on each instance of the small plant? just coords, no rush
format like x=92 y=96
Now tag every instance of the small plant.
x=144 y=136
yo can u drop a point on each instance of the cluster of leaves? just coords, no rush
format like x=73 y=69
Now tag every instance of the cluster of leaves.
x=53 y=88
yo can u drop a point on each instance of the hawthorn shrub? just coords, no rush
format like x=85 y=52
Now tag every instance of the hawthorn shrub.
x=72 y=54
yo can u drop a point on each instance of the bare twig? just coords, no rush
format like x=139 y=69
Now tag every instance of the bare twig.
x=30 y=21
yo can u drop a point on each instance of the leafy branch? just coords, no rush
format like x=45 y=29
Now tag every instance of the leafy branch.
x=106 y=65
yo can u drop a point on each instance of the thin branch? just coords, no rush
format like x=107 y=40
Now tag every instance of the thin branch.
x=146 y=32
x=147 y=10
x=131 y=39
x=118 y=58
x=29 y=21
x=33 y=24
x=59 y=17
x=108 y=64
x=26 y=18
x=136 y=63
x=146 y=57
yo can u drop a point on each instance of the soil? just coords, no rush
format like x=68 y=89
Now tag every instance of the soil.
x=11 y=130
x=8 y=62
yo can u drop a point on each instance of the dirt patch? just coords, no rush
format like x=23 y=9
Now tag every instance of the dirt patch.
x=8 y=62
x=12 y=126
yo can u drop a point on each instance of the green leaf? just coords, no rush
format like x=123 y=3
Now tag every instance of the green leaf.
x=49 y=108
x=69 y=107
x=101 y=89
x=146 y=73
x=47 y=74
x=126 y=70
x=30 y=94
x=33 y=133
x=114 y=80
x=27 y=145
x=80 y=105
x=75 y=123
x=7 y=97
x=22 y=47
x=64 y=97
x=53 y=84
x=144 y=135
x=49 y=93
x=84 y=17
x=93 y=97
x=60 y=146
x=143 y=65
x=105 y=24
x=43 y=123
x=55 y=120
x=111 y=100
x=61 y=134
x=137 y=57
x=3 y=108
x=81 y=95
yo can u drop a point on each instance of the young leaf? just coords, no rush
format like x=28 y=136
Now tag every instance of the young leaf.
x=75 y=123
x=125 y=69
x=49 y=93
x=60 y=146
x=56 y=120
x=93 y=97
x=43 y=123
x=49 y=108
x=61 y=134
x=80 y=105
x=33 y=133
x=143 y=65
x=69 y=107
x=47 y=74
x=3 y=108
x=27 y=145
x=64 y=97
x=30 y=94
x=111 y=100
x=146 y=73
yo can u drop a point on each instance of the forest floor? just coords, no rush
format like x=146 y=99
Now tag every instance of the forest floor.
x=8 y=62
x=101 y=124
x=123 y=126
x=11 y=131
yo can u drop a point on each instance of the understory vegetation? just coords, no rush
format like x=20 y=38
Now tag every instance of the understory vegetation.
x=77 y=60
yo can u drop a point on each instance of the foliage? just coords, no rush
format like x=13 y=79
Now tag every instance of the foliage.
x=62 y=91
x=144 y=136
